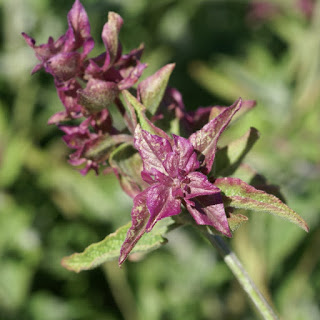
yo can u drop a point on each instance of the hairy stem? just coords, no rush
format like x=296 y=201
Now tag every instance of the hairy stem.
x=242 y=276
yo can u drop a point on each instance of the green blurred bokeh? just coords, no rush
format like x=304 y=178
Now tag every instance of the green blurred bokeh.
x=48 y=210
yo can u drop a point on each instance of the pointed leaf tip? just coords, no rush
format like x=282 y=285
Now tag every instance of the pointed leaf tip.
x=238 y=194
x=109 y=248
x=205 y=140
x=152 y=89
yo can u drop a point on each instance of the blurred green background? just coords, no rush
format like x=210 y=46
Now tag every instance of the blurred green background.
x=223 y=50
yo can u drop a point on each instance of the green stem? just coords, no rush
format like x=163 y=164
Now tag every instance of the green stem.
x=121 y=290
x=242 y=276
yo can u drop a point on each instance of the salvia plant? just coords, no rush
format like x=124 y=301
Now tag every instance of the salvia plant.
x=165 y=157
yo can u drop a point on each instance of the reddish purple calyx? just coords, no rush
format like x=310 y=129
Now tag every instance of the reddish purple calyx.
x=170 y=167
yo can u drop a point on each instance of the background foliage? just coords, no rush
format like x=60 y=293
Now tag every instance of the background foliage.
x=48 y=210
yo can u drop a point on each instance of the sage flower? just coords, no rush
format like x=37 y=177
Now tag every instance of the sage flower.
x=176 y=171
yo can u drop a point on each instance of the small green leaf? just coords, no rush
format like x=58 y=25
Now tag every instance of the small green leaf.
x=109 y=248
x=238 y=194
x=152 y=89
x=231 y=156
x=127 y=165
x=236 y=220
x=143 y=120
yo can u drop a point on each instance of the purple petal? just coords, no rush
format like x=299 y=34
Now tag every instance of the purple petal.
x=199 y=186
x=110 y=34
x=209 y=210
x=133 y=76
x=152 y=148
x=58 y=117
x=161 y=204
x=171 y=164
x=90 y=165
x=239 y=194
x=130 y=59
x=139 y=216
x=187 y=157
x=44 y=52
x=154 y=175
x=205 y=140
x=78 y=33
x=69 y=98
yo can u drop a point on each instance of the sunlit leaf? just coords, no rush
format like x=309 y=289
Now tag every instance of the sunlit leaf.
x=236 y=220
x=109 y=248
x=143 y=120
x=239 y=194
x=152 y=89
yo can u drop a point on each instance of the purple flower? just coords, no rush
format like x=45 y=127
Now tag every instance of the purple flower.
x=171 y=171
x=83 y=140
x=176 y=172
x=60 y=58
x=102 y=78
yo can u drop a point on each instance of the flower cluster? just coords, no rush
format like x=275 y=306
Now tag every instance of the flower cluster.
x=165 y=157
x=87 y=86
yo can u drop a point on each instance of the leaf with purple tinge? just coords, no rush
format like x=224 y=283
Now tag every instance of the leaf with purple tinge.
x=238 y=194
x=153 y=149
x=139 y=216
x=140 y=109
x=152 y=89
x=78 y=33
x=110 y=37
x=131 y=75
x=246 y=106
x=209 y=210
x=161 y=203
x=205 y=140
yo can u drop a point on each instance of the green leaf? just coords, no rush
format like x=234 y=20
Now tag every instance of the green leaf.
x=101 y=150
x=127 y=164
x=236 y=220
x=231 y=156
x=152 y=89
x=109 y=248
x=143 y=120
x=238 y=194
